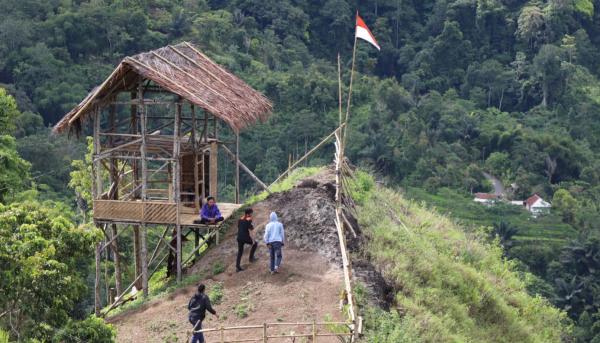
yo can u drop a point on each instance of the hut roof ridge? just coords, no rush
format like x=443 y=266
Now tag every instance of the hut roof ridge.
x=183 y=70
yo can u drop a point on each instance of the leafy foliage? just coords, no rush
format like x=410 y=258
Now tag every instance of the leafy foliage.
x=459 y=87
x=42 y=255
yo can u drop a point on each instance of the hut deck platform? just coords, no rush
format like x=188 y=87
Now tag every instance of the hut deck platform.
x=152 y=212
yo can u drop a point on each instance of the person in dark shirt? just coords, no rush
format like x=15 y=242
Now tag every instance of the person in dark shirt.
x=198 y=305
x=245 y=229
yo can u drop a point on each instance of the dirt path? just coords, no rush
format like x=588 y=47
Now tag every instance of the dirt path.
x=308 y=288
x=498 y=187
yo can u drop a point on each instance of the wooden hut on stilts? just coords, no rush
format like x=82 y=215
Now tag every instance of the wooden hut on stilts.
x=155 y=147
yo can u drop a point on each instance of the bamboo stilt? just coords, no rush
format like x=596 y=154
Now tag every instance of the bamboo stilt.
x=237 y=168
x=177 y=185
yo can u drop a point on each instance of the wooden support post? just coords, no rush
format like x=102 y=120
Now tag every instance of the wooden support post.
x=204 y=183
x=215 y=127
x=237 y=168
x=265 y=333
x=144 y=259
x=196 y=242
x=114 y=179
x=195 y=150
x=137 y=256
x=97 y=301
x=314 y=331
x=142 y=115
x=97 y=171
x=196 y=175
x=143 y=252
x=205 y=130
x=213 y=169
x=177 y=184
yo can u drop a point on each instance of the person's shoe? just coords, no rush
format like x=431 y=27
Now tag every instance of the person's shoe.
x=276 y=271
x=239 y=269
x=253 y=259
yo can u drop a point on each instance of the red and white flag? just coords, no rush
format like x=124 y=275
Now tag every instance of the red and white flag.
x=363 y=32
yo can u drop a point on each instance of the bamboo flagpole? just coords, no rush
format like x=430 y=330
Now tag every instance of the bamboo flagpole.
x=361 y=31
x=350 y=87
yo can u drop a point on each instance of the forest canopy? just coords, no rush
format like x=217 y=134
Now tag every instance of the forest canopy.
x=459 y=88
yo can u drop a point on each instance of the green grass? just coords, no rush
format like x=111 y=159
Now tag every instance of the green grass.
x=218 y=267
x=450 y=284
x=548 y=228
x=286 y=184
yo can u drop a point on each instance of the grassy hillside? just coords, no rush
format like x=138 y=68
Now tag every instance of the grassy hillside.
x=548 y=228
x=450 y=285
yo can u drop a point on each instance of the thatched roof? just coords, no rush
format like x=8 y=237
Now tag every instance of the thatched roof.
x=184 y=70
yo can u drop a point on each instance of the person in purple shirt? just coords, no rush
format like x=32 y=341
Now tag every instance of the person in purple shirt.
x=210 y=214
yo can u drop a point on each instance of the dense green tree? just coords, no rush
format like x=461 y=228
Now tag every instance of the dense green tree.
x=565 y=203
x=41 y=254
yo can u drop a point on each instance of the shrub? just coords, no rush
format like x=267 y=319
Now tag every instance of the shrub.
x=216 y=293
x=218 y=267
x=361 y=186
x=90 y=330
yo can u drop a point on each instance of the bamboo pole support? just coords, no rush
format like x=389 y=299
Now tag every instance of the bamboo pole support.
x=196 y=183
x=144 y=259
x=323 y=142
x=142 y=233
x=344 y=135
x=213 y=168
x=246 y=169
x=97 y=171
x=237 y=168
x=177 y=184
x=142 y=115
x=195 y=150
x=97 y=301
x=114 y=176
x=265 y=333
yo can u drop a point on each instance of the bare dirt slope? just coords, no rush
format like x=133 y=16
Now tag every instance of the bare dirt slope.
x=308 y=287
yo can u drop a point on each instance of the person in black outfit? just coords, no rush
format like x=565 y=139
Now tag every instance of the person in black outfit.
x=244 y=236
x=198 y=305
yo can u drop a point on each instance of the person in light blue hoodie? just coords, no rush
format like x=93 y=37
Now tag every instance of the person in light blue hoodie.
x=274 y=238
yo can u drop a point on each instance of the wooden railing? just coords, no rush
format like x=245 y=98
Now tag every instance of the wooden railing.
x=344 y=332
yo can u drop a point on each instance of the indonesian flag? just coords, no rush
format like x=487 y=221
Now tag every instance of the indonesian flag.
x=363 y=32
